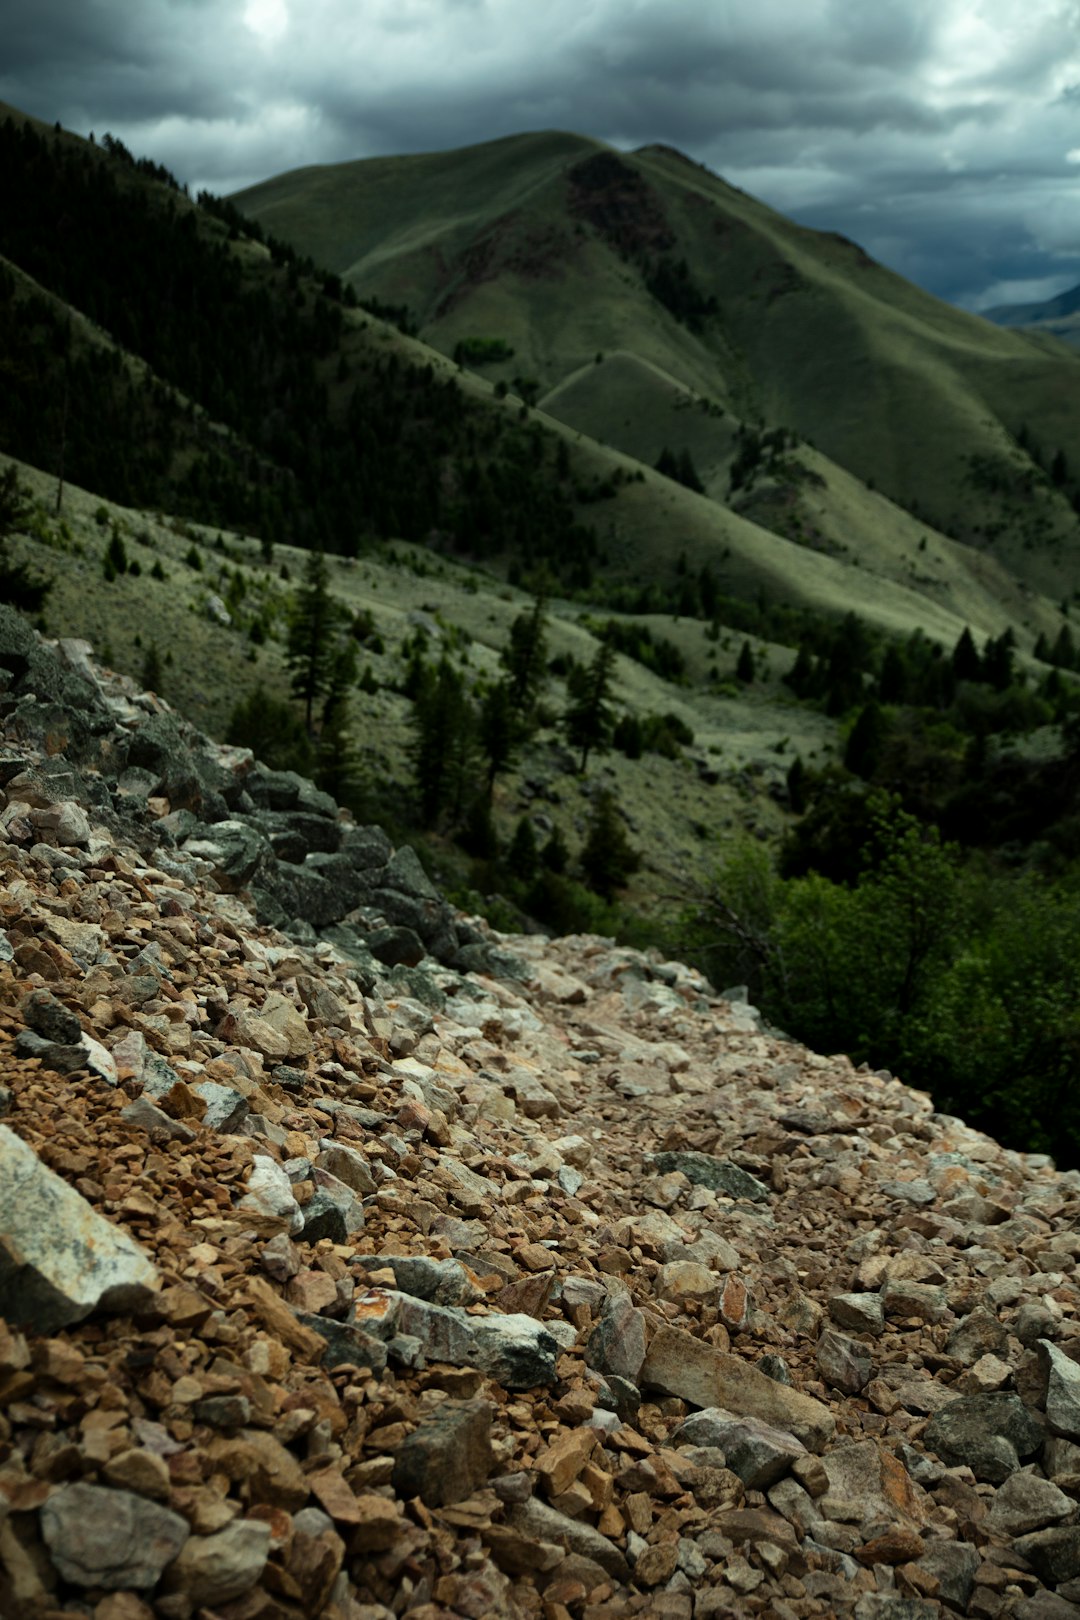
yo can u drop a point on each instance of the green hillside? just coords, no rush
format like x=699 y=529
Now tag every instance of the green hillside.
x=562 y=250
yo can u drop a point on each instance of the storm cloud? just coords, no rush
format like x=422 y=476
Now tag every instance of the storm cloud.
x=942 y=135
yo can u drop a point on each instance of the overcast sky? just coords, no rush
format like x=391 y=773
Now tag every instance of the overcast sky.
x=942 y=135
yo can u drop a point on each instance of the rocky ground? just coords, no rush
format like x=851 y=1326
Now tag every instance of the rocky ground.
x=384 y=1266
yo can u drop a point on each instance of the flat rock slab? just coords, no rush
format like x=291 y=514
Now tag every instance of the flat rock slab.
x=681 y=1365
x=59 y=1259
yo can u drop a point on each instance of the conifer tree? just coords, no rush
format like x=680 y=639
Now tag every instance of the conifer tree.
x=744 y=668
x=525 y=660
x=608 y=857
x=444 y=742
x=314 y=622
x=966 y=663
x=588 y=718
x=499 y=731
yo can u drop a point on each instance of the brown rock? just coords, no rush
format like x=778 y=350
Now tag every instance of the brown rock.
x=564 y=1459
x=139 y=1471
x=897 y=1546
x=377 y=1526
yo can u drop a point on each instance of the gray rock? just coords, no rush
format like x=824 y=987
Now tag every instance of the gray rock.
x=269 y=1191
x=535 y=1518
x=918 y=1192
x=215 y=1569
x=443 y=1282
x=155 y=1120
x=927 y=1301
x=979 y=1334
x=859 y=1313
x=59 y=1259
x=1062 y=1390
x=705 y=1170
x=286 y=790
x=866 y=1486
x=891 y=1606
x=236 y=850
x=333 y=1212
x=1034 y=1320
x=110 y=1539
x=347 y=1164
x=1025 y=1503
x=515 y=1349
x=59 y=1059
x=617 y=1342
x=987 y=1433
x=226 y=1109
x=758 y=1452
x=50 y=1019
x=952 y=1564
x=1054 y=1555
x=843 y=1362
x=447 y=1455
x=346 y=1343
x=774 y=1367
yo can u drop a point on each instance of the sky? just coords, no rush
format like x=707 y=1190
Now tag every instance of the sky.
x=941 y=135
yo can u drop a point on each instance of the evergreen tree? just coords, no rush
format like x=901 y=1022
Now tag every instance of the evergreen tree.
x=523 y=857
x=314 y=622
x=116 y=557
x=966 y=663
x=997 y=661
x=17 y=585
x=525 y=660
x=151 y=672
x=555 y=855
x=444 y=742
x=588 y=718
x=499 y=731
x=744 y=668
x=1063 y=653
x=863 y=752
x=608 y=857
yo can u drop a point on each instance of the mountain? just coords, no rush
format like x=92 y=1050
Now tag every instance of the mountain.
x=643 y=300
x=1056 y=317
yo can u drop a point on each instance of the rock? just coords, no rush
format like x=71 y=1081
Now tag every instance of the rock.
x=516 y=1350
x=859 y=1313
x=535 y=1518
x=50 y=1019
x=617 y=1343
x=680 y=1280
x=681 y=1365
x=1025 y=1503
x=348 y=1166
x=443 y=1282
x=447 y=1456
x=1053 y=1554
x=952 y=1564
x=139 y=1471
x=269 y=1192
x=979 y=1334
x=988 y=1433
x=843 y=1362
x=59 y=1259
x=1062 y=1389
x=758 y=1452
x=867 y=1484
x=927 y=1301
x=236 y=850
x=345 y=1342
x=719 y=1175
x=110 y=1539
x=215 y=1569
x=155 y=1121
x=225 y=1108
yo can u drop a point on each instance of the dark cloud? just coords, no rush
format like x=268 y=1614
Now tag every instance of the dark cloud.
x=934 y=132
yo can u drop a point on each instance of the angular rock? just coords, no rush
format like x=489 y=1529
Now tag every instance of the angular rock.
x=719 y=1175
x=345 y=1343
x=681 y=1365
x=59 y=1259
x=758 y=1452
x=50 y=1019
x=979 y=1334
x=868 y=1484
x=1025 y=1503
x=990 y=1434
x=1053 y=1554
x=617 y=1342
x=110 y=1539
x=843 y=1362
x=447 y=1456
x=348 y=1165
x=952 y=1564
x=516 y=1350
x=927 y=1301
x=859 y=1313
x=269 y=1191
x=215 y=1569
x=1062 y=1389
x=535 y=1518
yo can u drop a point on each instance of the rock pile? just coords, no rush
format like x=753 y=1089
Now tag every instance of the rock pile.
x=538 y=1282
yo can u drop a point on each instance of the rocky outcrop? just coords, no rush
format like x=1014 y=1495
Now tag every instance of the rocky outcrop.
x=338 y=1288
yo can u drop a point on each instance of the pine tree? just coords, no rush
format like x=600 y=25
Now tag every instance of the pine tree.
x=523 y=857
x=588 y=718
x=966 y=663
x=444 y=742
x=608 y=857
x=744 y=669
x=314 y=622
x=525 y=660
x=499 y=731
x=151 y=673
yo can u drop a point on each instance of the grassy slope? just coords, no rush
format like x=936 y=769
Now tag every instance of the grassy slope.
x=897 y=387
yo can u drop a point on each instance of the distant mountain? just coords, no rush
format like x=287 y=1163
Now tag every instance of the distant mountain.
x=647 y=303
x=1057 y=317
x=171 y=353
